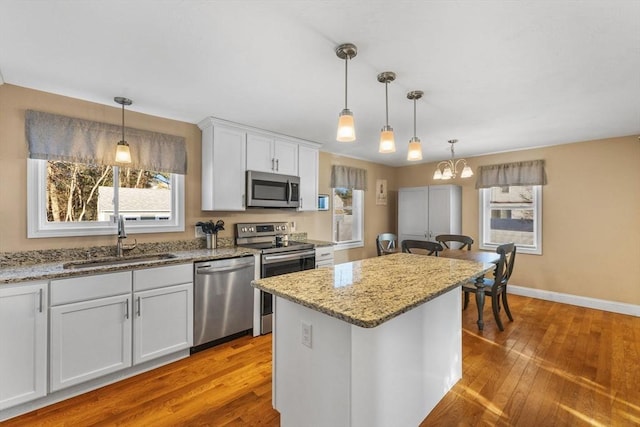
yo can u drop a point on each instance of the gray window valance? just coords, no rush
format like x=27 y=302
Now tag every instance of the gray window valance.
x=348 y=177
x=519 y=173
x=54 y=137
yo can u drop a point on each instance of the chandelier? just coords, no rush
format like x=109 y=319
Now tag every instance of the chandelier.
x=448 y=169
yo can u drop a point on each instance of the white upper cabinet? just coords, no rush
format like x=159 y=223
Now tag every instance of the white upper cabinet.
x=269 y=154
x=223 y=166
x=308 y=163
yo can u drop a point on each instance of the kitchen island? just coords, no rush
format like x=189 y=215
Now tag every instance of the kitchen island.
x=375 y=342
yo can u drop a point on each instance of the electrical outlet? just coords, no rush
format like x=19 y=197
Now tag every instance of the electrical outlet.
x=199 y=232
x=306 y=334
x=293 y=226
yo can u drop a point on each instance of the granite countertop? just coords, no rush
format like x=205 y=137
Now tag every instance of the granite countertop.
x=372 y=291
x=51 y=270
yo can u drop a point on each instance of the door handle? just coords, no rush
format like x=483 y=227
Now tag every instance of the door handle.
x=139 y=307
x=126 y=309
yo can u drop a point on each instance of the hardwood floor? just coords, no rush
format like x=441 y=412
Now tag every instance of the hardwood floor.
x=555 y=365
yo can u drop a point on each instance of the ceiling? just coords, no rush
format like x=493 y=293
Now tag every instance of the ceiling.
x=497 y=75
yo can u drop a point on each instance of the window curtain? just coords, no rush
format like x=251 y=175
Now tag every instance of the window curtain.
x=348 y=177
x=54 y=137
x=519 y=173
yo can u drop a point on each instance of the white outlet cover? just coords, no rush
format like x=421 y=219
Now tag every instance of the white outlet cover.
x=306 y=331
x=199 y=232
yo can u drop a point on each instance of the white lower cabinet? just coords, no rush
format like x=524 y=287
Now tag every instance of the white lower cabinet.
x=90 y=328
x=163 y=311
x=324 y=256
x=23 y=343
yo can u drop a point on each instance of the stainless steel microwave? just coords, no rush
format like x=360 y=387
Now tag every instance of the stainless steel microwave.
x=271 y=190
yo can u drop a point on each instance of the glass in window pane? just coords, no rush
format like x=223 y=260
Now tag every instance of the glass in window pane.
x=143 y=195
x=512 y=225
x=343 y=214
x=72 y=191
x=512 y=194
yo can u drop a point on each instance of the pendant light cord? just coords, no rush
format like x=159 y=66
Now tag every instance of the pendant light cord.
x=346 y=65
x=386 y=100
x=123 y=122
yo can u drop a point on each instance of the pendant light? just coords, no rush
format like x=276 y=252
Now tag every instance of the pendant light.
x=415 y=147
x=387 y=140
x=346 y=127
x=123 y=155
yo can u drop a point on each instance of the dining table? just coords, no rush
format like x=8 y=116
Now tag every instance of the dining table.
x=477 y=256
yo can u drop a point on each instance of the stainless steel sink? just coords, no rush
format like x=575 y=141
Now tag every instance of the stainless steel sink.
x=100 y=262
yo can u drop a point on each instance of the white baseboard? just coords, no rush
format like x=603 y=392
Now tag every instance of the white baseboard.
x=599 y=304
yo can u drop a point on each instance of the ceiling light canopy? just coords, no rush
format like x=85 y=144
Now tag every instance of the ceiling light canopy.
x=448 y=169
x=387 y=140
x=415 y=147
x=123 y=155
x=346 y=126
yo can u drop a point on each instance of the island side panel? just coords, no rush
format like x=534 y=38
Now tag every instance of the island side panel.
x=393 y=374
x=311 y=386
x=404 y=367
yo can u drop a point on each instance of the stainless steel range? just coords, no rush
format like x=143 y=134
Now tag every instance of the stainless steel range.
x=280 y=255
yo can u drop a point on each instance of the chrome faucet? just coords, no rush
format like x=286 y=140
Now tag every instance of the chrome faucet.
x=122 y=234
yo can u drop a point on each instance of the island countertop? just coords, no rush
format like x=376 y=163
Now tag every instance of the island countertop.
x=371 y=291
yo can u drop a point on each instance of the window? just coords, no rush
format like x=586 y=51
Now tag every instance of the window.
x=77 y=199
x=348 y=214
x=511 y=214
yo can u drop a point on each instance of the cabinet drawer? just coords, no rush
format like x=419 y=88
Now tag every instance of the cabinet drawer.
x=324 y=253
x=64 y=291
x=162 y=276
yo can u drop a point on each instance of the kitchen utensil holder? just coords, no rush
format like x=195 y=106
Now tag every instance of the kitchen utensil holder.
x=212 y=241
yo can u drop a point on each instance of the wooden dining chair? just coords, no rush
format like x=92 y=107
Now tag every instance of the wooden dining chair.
x=446 y=239
x=496 y=288
x=386 y=243
x=421 y=246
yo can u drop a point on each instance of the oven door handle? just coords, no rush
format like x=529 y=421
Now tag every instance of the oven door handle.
x=267 y=259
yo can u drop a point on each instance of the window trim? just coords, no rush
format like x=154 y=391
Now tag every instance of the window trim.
x=484 y=217
x=350 y=244
x=39 y=227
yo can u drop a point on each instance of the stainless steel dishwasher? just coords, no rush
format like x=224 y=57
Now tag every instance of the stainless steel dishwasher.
x=223 y=300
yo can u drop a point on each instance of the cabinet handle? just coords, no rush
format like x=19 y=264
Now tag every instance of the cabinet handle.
x=277 y=165
x=139 y=306
x=126 y=309
x=301 y=203
x=40 y=301
x=243 y=200
x=272 y=164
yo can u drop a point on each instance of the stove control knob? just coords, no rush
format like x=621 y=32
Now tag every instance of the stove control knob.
x=284 y=228
x=243 y=229
x=251 y=229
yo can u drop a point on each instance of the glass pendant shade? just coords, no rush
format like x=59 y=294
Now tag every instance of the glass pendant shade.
x=447 y=173
x=466 y=172
x=346 y=128
x=437 y=174
x=123 y=155
x=415 y=149
x=387 y=141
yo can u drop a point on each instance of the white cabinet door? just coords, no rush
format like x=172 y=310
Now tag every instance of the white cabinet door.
x=267 y=154
x=445 y=214
x=89 y=339
x=260 y=153
x=223 y=167
x=163 y=321
x=23 y=343
x=413 y=213
x=286 y=155
x=308 y=163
